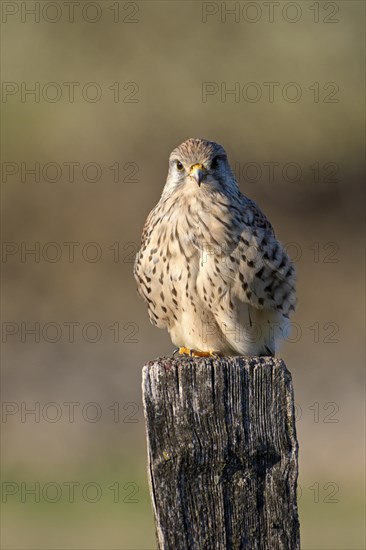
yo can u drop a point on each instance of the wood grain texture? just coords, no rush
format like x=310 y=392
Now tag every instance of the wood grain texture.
x=222 y=453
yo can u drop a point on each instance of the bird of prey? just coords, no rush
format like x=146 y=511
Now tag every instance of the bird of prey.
x=210 y=267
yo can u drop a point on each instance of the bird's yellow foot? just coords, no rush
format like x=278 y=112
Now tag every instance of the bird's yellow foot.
x=196 y=353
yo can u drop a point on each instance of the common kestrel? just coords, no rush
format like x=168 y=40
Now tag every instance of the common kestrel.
x=210 y=267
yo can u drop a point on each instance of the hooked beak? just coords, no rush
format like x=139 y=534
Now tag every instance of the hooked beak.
x=197 y=172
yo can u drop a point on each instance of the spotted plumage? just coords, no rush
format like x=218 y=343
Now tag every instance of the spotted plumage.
x=210 y=267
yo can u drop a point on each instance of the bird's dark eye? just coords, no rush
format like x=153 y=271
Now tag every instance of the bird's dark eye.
x=180 y=166
x=215 y=162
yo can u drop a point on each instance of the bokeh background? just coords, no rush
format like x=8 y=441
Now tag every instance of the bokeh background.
x=149 y=63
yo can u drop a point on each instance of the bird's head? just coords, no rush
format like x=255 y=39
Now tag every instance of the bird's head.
x=199 y=165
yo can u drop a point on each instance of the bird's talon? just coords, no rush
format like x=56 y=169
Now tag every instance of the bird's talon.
x=196 y=353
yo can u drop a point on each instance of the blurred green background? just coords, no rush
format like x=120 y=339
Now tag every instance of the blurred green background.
x=94 y=335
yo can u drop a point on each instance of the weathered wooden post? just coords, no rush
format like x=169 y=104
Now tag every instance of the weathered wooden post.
x=222 y=453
